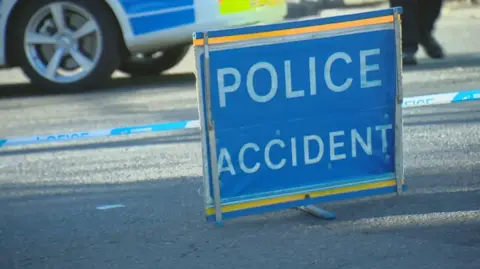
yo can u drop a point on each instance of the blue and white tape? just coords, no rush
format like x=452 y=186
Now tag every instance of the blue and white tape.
x=158 y=127
x=441 y=98
x=425 y=100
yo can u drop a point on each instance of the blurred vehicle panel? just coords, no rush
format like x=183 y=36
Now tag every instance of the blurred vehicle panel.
x=74 y=44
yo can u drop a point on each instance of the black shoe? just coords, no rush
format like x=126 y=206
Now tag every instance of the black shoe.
x=409 y=59
x=432 y=48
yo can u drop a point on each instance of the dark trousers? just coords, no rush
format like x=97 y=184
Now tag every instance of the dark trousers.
x=418 y=21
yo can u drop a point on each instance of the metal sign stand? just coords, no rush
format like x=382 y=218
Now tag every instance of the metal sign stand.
x=212 y=140
x=318 y=212
x=399 y=173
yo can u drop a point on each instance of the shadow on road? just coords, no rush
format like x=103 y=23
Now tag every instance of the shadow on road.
x=115 y=84
x=165 y=215
x=451 y=116
x=451 y=61
x=442 y=206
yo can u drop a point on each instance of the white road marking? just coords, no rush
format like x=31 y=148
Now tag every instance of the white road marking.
x=105 y=207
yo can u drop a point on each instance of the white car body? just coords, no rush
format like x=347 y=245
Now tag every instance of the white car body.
x=150 y=25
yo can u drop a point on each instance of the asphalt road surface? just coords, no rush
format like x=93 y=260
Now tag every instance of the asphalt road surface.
x=49 y=193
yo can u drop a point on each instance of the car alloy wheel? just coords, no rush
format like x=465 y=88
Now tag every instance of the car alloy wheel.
x=63 y=42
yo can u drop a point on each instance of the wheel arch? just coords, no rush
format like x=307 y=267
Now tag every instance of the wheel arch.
x=13 y=11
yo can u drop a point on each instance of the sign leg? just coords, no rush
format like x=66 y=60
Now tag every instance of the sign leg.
x=318 y=212
x=399 y=168
x=212 y=138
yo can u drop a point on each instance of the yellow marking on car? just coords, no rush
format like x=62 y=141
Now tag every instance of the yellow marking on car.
x=235 y=6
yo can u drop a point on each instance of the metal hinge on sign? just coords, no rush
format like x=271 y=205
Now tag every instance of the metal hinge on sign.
x=399 y=99
x=211 y=126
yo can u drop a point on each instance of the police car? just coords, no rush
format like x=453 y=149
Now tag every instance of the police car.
x=66 y=45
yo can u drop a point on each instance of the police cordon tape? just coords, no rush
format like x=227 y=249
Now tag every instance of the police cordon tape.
x=417 y=101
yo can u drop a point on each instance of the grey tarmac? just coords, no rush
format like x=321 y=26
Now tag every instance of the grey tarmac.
x=50 y=193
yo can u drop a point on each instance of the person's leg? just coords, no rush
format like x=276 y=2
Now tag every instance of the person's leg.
x=430 y=11
x=410 y=28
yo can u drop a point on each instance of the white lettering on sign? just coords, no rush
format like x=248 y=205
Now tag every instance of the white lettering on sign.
x=294 y=151
x=273 y=85
x=313 y=150
x=383 y=129
x=224 y=156
x=334 y=145
x=269 y=162
x=222 y=89
x=328 y=72
x=367 y=147
x=313 y=75
x=291 y=93
x=306 y=142
x=365 y=66
x=241 y=158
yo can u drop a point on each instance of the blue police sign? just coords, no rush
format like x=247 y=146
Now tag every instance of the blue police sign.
x=298 y=113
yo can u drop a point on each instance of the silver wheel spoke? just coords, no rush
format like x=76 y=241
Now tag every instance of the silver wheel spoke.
x=36 y=38
x=54 y=32
x=83 y=61
x=58 y=16
x=53 y=64
x=87 y=28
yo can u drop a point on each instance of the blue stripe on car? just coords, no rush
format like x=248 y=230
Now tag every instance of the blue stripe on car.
x=162 y=21
x=133 y=7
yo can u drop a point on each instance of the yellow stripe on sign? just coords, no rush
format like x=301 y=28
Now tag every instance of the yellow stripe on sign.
x=298 y=197
x=235 y=6
x=297 y=31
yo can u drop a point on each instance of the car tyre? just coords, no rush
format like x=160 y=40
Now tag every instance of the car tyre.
x=50 y=35
x=151 y=64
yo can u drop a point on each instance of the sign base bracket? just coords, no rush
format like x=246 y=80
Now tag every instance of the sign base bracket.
x=318 y=212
